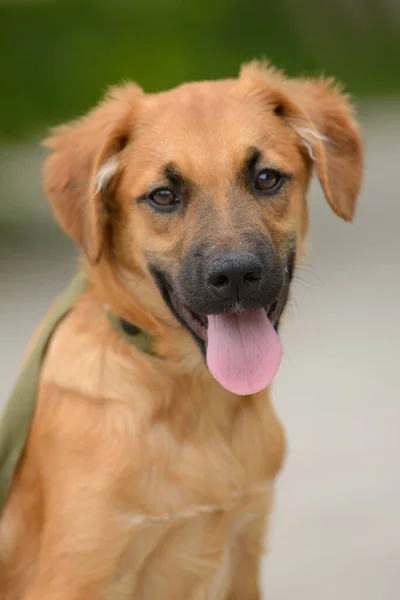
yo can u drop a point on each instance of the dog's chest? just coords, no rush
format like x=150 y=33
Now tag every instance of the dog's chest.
x=194 y=556
x=200 y=478
x=202 y=467
x=193 y=497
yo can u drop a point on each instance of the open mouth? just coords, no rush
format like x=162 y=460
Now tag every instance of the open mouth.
x=242 y=348
x=197 y=323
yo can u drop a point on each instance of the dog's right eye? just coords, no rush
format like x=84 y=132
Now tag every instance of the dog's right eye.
x=163 y=199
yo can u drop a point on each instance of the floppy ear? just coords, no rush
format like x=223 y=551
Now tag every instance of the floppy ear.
x=80 y=172
x=333 y=140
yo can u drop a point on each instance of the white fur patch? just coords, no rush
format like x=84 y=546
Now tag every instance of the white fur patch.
x=106 y=173
x=193 y=511
x=188 y=513
x=308 y=135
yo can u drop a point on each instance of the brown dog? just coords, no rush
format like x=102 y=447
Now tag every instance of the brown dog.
x=149 y=475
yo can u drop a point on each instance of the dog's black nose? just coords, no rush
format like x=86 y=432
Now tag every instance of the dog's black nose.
x=233 y=275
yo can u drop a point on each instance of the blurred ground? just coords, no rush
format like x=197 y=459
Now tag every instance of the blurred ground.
x=335 y=531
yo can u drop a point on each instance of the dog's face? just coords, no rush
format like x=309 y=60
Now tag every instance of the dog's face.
x=200 y=191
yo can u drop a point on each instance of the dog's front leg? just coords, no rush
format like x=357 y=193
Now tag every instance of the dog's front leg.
x=84 y=471
x=245 y=582
x=248 y=550
x=79 y=554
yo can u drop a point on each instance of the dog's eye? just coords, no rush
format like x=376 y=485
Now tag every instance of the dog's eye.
x=268 y=180
x=163 y=198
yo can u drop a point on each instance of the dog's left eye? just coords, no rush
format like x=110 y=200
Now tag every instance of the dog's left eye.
x=163 y=198
x=268 y=180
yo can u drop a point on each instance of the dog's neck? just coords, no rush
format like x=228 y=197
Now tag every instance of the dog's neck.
x=129 y=311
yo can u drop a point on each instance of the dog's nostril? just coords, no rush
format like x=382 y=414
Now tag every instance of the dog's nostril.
x=251 y=277
x=221 y=281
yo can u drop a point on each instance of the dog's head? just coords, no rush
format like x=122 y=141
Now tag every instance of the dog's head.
x=200 y=193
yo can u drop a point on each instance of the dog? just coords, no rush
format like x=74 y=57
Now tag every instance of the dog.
x=148 y=471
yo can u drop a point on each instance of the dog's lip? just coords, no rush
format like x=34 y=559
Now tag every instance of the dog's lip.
x=195 y=321
x=198 y=323
x=188 y=318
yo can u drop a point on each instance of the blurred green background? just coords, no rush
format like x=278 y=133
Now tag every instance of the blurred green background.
x=57 y=57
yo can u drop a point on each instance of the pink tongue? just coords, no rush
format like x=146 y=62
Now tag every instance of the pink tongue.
x=243 y=351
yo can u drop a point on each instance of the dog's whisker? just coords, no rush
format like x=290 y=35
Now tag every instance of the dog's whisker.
x=292 y=304
x=306 y=269
x=304 y=283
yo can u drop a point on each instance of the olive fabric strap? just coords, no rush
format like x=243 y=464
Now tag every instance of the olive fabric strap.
x=16 y=420
x=17 y=417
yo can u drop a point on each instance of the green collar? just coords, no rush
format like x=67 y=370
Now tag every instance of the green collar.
x=130 y=332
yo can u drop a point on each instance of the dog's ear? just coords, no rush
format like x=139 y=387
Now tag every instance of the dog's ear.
x=333 y=140
x=324 y=119
x=81 y=171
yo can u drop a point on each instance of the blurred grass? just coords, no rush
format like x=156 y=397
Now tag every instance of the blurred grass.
x=57 y=57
